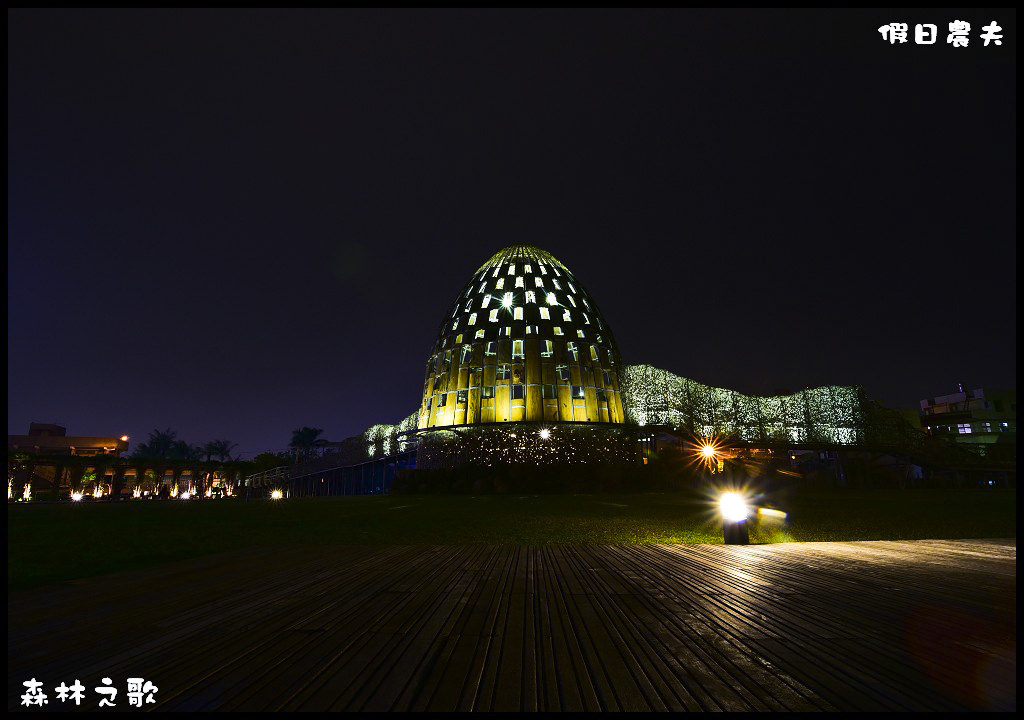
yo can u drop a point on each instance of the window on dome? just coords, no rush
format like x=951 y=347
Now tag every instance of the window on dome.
x=572 y=288
x=572 y=300
x=517 y=348
x=579 y=333
x=573 y=351
x=502 y=372
x=593 y=352
x=479 y=334
x=496 y=271
x=557 y=286
x=500 y=285
x=544 y=314
x=483 y=286
x=467 y=353
x=458 y=339
x=552 y=300
x=586 y=319
x=487 y=393
x=527 y=269
x=549 y=349
x=557 y=330
x=472 y=318
x=538 y=282
x=455 y=324
x=519 y=282
x=543 y=270
x=532 y=329
x=486 y=301
x=531 y=296
x=567 y=316
x=563 y=372
x=493 y=317
x=512 y=269
x=517 y=314
x=491 y=349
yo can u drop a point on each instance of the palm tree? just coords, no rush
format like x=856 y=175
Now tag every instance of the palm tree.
x=303 y=441
x=158 y=445
x=100 y=465
x=220 y=449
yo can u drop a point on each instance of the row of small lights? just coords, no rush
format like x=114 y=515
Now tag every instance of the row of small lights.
x=734 y=506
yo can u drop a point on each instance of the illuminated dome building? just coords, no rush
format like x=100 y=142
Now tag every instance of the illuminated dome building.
x=523 y=342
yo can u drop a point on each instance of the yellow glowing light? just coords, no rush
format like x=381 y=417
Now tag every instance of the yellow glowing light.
x=124 y=438
x=769 y=514
x=276 y=495
x=733 y=507
x=545 y=434
x=77 y=496
x=137 y=492
x=708 y=451
x=506 y=300
x=186 y=495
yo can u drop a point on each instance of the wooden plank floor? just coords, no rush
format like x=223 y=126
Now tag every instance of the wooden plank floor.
x=895 y=626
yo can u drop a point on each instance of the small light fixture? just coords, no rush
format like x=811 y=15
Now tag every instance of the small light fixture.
x=276 y=495
x=186 y=495
x=124 y=438
x=77 y=496
x=545 y=434
x=735 y=510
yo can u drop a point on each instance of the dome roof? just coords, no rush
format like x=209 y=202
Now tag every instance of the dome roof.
x=523 y=341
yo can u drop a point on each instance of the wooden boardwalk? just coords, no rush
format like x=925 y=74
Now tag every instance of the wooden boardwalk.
x=925 y=625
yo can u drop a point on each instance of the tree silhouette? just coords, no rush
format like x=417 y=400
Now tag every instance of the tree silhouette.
x=158 y=446
x=303 y=441
x=219 y=449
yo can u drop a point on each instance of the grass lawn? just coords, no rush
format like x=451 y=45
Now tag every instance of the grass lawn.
x=53 y=542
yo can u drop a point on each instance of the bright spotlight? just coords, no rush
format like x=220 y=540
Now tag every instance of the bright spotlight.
x=733 y=507
x=77 y=497
x=276 y=495
x=506 y=301
x=708 y=451
x=545 y=434
x=124 y=438
x=186 y=495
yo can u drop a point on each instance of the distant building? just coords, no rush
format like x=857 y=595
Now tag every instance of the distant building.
x=980 y=418
x=47 y=439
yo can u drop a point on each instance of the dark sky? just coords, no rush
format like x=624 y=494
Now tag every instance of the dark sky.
x=236 y=223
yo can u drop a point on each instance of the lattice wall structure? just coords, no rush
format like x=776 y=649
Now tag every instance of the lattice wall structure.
x=831 y=414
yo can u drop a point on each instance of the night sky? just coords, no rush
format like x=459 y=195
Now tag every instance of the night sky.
x=233 y=224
